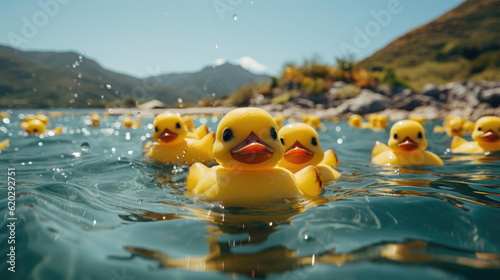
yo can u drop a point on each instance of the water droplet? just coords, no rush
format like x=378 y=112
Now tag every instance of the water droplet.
x=339 y=141
x=108 y=86
x=79 y=75
x=34 y=89
x=75 y=95
x=235 y=17
x=85 y=146
x=216 y=46
x=40 y=144
x=102 y=96
x=178 y=156
x=179 y=100
x=213 y=94
x=80 y=57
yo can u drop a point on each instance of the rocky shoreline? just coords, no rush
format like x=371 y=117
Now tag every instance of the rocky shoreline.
x=470 y=100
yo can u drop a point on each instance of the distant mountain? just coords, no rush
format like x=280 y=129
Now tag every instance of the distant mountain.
x=211 y=81
x=51 y=79
x=67 y=79
x=464 y=43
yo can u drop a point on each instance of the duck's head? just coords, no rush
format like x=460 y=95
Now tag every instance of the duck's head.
x=247 y=139
x=382 y=121
x=407 y=136
x=169 y=129
x=355 y=120
x=43 y=118
x=34 y=126
x=455 y=124
x=127 y=122
x=301 y=144
x=487 y=131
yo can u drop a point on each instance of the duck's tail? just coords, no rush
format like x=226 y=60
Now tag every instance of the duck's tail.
x=330 y=158
x=379 y=147
x=457 y=141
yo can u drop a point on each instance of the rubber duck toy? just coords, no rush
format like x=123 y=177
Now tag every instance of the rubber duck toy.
x=248 y=149
x=418 y=119
x=313 y=121
x=4 y=144
x=452 y=125
x=43 y=118
x=381 y=121
x=193 y=131
x=35 y=126
x=171 y=144
x=406 y=147
x=4 y=115
x=96 y=120
x=355 y=120
x=279 y=119
x=485 y=135
x=128 y=123
x=302 y=148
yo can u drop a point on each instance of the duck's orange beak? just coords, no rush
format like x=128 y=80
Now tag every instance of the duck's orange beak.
x=298 y=154
x=490 y=136
x=252 y=150
x=408 y=144
x=167 y=136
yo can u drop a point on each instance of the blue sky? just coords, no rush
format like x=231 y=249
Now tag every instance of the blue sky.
x=143 y=38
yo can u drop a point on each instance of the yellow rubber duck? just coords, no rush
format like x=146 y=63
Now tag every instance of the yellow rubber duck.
x=313 y=121
x=4 y=144
x=193 y=131
x=248 y=149
x=381 y=121
x=453 y=125
x=485 y=135
x=407 y=145
x=418 y=119
x=302 y=148
x=35 y=126
x=279 y=119
x=127 y=122
x=355 y=120
x=96 y=120
x=43 y=118
x=171 y=144
x=4 y=115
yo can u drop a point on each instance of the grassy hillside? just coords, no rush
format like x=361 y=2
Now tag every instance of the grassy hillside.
x=49 y=79
x=461 y=44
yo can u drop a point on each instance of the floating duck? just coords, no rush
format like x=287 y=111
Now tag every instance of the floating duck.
x=355 y=120
x=313 y=121
x=407 y=145
x=418 y=119
x=302 y=148
x=55 y=114
x=43 y=118
x=4 y=115
x=128 y=123
x=171 y=144
x=35 y=126
x=248 y=149
x=4 y=144
x=485 y=135
x=193 y=131
x=96 y=120
x=453 y=125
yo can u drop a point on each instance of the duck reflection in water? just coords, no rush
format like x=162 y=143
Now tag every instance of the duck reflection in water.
x=253 y=226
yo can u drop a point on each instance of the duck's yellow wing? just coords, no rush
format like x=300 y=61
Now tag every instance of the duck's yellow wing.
x=330 y=158
x=309 y=181
x=378 y=148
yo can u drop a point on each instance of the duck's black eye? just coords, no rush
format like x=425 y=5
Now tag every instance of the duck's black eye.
x=420 y=135
x=282 y=140
x=177 y=125
x=479 y=129
x=395 y=136
x=227 y=134
x=314 y=141
x=156 y=128
x=274 y=134
x=35 y=130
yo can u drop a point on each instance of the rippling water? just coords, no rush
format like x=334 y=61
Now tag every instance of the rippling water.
x=88 y=206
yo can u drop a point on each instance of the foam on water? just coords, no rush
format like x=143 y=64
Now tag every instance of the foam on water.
x=90 y=207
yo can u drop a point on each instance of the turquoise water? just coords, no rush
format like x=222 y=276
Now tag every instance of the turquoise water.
x=88 y=206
